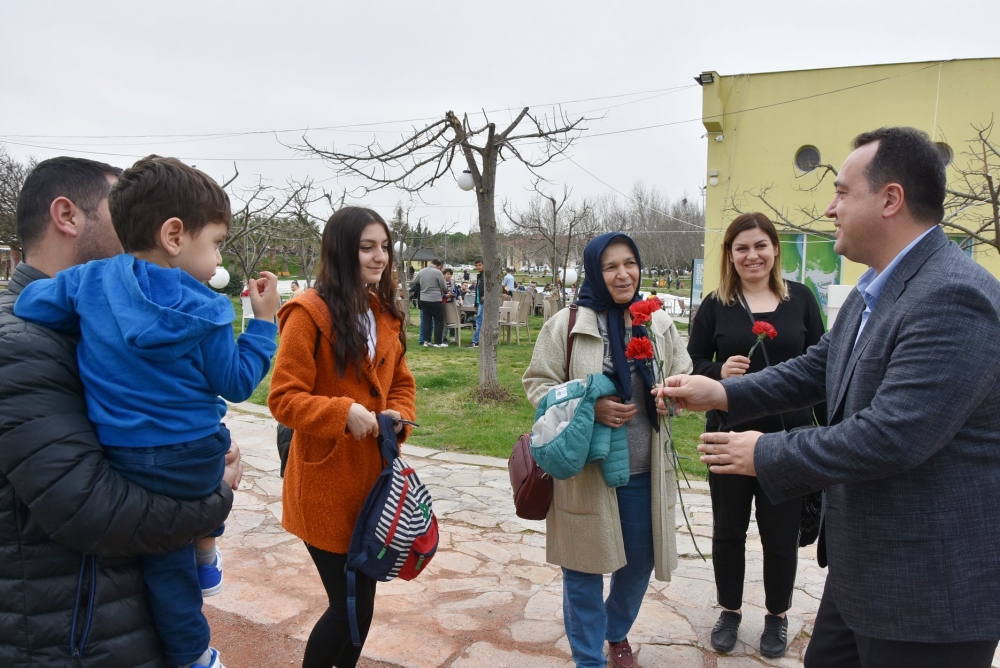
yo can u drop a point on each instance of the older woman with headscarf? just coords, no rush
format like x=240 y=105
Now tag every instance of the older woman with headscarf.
x=593 y=529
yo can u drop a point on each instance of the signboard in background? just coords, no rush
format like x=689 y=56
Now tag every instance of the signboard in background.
x=697 y=287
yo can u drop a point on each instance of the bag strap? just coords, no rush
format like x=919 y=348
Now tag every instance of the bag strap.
x=388 y=442
x=569 y=337
x=767 y=362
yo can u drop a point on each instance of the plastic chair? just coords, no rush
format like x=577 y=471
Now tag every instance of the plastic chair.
x=508 y=317
x=452 y=320
x=538 y=303
x=523 y=311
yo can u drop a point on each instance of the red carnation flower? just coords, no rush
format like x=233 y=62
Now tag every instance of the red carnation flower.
x=765 y=328
x=761 y=329
x=642 y=310
x=639 y=348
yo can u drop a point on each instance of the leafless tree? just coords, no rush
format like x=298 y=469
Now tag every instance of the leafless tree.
x=973 y=205
x=12 y=175
x=553 y=221
x=256 y=222
x=669 y=233
x=418 y=160
x=300 y=231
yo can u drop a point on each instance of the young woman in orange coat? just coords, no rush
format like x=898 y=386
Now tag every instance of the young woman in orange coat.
x=341 y=361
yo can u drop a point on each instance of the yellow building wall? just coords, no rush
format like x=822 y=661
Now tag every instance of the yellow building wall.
x=764 y=119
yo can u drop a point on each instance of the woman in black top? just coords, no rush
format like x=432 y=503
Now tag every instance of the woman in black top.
x=720 y=339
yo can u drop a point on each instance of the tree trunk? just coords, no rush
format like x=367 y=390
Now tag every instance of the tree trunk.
x=489 y=383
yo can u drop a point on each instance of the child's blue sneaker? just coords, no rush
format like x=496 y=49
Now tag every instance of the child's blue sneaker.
x=210 y=577
x=215 y=662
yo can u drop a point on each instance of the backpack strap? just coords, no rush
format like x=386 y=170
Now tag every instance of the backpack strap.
x=352 y=606
x=389 y=446
x=569 y=336
x=388 y=442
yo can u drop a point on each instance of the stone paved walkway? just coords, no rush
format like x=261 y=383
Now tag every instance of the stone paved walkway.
x=488 y=599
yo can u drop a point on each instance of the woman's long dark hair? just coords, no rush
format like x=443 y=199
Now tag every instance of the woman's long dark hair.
x=340 y=285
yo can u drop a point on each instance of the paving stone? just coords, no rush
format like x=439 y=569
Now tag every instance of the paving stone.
x=398 y=644
x=673 y=656
x=738 y=662
x=536 y=574
x=485 y=601
x=489 y=550
x=475 y=518
x=659 y=624
x=478 y=460
x=534 y=630
x=454 y=561
x=410 y=450
x=479 y=583
x=545 y=605
x=487 y=655
x=532 y=553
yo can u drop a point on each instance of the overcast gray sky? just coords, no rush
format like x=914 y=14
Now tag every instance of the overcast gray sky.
x=70 y=69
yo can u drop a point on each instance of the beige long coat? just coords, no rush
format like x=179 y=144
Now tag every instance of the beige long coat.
x=583 y=531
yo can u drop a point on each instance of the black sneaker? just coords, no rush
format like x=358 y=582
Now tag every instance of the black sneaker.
x=725 y=631
x=472 y=345
x=774 y=639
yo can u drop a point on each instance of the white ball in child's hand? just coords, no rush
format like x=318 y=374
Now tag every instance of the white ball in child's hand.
x=220 y=279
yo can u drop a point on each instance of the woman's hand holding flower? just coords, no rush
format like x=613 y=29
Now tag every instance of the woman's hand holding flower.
x=737 y=365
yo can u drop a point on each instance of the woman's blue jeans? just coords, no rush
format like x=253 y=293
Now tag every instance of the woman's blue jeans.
x=589 y=619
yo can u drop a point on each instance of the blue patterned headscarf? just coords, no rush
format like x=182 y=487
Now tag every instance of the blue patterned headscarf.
x=594 y=294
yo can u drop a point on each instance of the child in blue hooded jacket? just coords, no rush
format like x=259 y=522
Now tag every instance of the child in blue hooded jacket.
x=155 y=354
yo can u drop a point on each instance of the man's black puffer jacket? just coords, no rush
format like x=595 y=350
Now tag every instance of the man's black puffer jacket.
x=71 y=589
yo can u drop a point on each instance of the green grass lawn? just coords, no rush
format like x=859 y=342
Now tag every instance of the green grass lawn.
x=451 y=419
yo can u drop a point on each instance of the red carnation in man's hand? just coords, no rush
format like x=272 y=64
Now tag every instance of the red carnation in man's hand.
x=639 y=348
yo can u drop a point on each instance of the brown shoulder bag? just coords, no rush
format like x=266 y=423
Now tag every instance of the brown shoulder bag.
x=531 y=485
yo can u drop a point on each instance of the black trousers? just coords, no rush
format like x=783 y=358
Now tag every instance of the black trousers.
x=834 y=645
x=329 y=643
x=433 y=317
x=779 y=535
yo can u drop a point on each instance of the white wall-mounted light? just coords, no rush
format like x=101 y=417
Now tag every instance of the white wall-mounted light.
x=220 y=278
x=719 y=138
x=714 y=181
x=465 y=180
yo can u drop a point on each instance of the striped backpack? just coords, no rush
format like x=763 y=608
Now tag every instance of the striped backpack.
x=396 y=534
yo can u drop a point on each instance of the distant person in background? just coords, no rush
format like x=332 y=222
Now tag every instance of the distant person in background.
x=465 y=275
x=296 y=290
x=478 y=302
x=432 y=290
x=451 y=290
x=508 y=282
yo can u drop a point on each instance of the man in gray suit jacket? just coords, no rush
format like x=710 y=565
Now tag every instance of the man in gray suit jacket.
x=911 y=459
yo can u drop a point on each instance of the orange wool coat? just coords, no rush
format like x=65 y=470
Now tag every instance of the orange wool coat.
x=329 y=473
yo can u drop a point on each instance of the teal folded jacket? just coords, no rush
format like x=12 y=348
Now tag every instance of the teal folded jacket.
x=565 y=436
